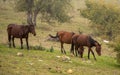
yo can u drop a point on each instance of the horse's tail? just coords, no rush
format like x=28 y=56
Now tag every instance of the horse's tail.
x=73 y=42
x=72 y=46
x=54 y=36
x=9 y=28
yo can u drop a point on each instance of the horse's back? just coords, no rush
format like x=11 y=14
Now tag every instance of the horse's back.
x=74 y=38
x=15 y=30
x=9 y=28
x=65 y=36
x=83 y=39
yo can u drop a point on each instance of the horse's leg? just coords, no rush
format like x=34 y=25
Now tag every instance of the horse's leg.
x=27 y=43
x=9 y=39
x=81 y=51
x=89 y=49
x=93 y=54
x=13 y=42
x=72 y=48
x=61 y=47
x=64 y=50
x=21 y=43
x=76 y=50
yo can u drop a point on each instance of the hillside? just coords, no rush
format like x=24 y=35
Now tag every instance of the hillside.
x=44 y=62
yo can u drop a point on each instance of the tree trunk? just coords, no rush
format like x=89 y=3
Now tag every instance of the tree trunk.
x=35 y=16
x=29 y=17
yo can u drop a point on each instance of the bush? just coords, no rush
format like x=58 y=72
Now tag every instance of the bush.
x=117 y=48
x=104 y=15
x=118 y=57
x=51 y=49
x=38 y=47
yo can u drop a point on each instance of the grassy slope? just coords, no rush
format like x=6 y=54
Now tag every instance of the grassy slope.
x=30 y=64
x=10 y=64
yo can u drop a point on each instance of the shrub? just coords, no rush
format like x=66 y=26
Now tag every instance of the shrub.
x=104 y=15
x=51 y=49
x=117 y=48
x=38 y=47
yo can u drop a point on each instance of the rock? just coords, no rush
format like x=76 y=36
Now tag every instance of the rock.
x=65 y=58
x=31 y=64
x=19 y=54
x=40 y=60
x=52 y=39
x=69 y=71
x=105 y=41
x=58 y=69
x=72 y=55
x=58 y=56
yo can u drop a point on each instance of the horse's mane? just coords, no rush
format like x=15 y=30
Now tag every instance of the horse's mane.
x=92 y=41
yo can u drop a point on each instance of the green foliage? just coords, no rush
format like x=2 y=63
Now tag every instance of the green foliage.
x=51 y=49
x=118 y=57
x=117 y=49
x=24 y=5
x=106 y=17
x=38 y=47
x=49 y=9
x=116 y=46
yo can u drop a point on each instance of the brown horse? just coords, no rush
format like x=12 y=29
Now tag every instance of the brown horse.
x=74 y=43
x=84 y=40
x=19 y=31
x=64 y=37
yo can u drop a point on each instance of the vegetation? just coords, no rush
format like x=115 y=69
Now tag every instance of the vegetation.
x=106 y=18
x=104 y=15
x=55 y=9
x=44 y=62
x=117 y=49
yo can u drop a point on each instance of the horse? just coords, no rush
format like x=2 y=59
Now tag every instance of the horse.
x=74 y=43
x=64 y=37
x=80 y=40
x=19 y=31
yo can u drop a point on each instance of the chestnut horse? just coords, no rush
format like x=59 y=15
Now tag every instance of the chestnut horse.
x=80 y=40
x=19 y=31
x=64 y=37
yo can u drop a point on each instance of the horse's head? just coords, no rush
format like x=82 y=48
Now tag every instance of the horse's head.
x=98 y=48
x=32 y=29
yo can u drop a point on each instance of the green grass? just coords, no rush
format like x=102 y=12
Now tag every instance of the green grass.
x=30 y=63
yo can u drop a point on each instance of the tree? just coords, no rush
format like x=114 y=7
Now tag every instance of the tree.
x=52 y=9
